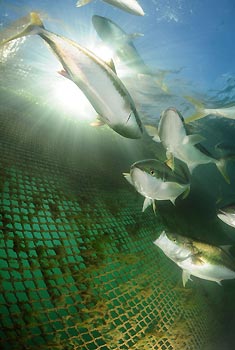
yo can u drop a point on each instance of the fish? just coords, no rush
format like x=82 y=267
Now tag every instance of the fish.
x=156 y=181
x=96 y=79
x=120 y=43
x=130 y=6
x=202 y=112
x=173 y=135
x=227 y=214
x=196 y=258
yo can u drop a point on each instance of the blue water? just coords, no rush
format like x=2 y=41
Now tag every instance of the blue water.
x=193 y=41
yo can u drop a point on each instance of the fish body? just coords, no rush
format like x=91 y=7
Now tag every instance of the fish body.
x=202 y=112
x=227 y=215
x=178 y=144
x=120 y=43
x=131 y=6
x=105 y=91
x=196 y=258
x=156 y=181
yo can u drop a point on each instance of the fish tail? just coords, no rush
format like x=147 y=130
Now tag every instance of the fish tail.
x=199 y=107
x=186 y=192
x=32 y=27
x=221 y=165
x=82 y=2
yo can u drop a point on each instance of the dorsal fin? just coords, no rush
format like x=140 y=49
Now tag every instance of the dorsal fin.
x=111 y=65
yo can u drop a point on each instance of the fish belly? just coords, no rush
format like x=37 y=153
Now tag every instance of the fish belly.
x=209 y=272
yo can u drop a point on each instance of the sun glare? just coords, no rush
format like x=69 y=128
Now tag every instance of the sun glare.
x=102 y=51
x=71 y=100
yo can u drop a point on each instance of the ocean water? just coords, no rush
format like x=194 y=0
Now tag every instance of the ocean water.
x=62 y=183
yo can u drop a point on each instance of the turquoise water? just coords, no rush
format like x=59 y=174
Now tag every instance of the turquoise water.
x=65 y=207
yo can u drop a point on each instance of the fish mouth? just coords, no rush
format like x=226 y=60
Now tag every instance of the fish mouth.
x=161 y=236
x=143 y=182
x=174 y=110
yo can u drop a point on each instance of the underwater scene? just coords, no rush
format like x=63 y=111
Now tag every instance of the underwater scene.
x=117 y=186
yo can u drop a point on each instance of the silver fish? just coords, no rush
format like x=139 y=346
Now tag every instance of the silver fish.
x=120 y=43
x=227 y=215
x=156 y=181
x=131 y=6
x=196 y=258
x=172 y=133
x=105 y=91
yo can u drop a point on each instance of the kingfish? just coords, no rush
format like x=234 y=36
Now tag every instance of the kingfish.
x=227 y=215
x=196 y=258
x=156 y=181
x=120 y=43
x=201 y=111
x=173 y=135
x=97 y=80
x=131 y=6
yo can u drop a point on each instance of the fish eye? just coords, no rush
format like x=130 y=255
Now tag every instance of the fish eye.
x=152 y=172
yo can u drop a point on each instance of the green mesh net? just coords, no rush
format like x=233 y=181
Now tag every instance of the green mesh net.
x=79 y=269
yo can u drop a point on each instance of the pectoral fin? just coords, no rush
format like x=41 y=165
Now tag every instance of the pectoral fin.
x=185 y=277
x=170 y=160
x=98 y=122
x=147 y=203
x=193 y=139
x=64 y=74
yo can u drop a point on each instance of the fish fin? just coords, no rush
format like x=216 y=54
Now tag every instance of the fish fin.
x=195 y=116
x=219 y=283
x=147 y=203
x=33 y=27
x=193 y=139
x=154 y=206
x=221 y=165
x=153 y=132
x=192 y=166
x=98 y=122
x=64 y=74
x=186 y=192
x=199 y=106
x=128 y=177
x=185 y=277
x=135 y=35
x=173 y=200
x=160 y=83
x=82 y=2
x=170 y=160
x=111 y=65
x=226 y=248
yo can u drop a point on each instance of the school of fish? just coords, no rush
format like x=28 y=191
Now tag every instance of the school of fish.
x=154 y=179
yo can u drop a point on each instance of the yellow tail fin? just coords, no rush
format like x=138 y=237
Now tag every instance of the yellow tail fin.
x=198 y=105
x=31 y=26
